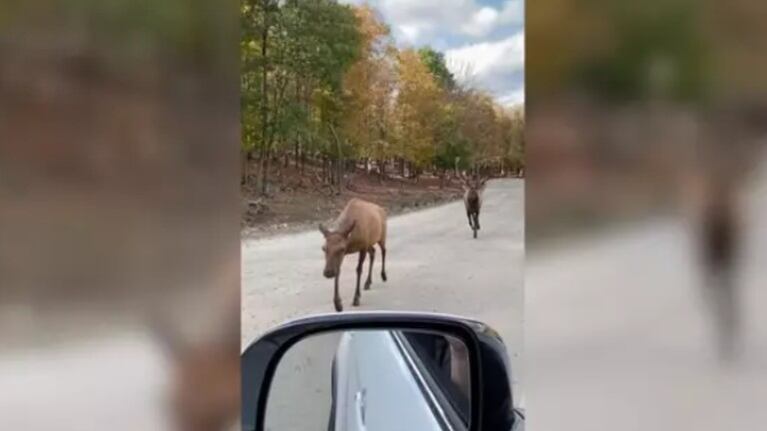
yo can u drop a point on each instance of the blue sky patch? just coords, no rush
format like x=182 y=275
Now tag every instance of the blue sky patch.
x=483 y=40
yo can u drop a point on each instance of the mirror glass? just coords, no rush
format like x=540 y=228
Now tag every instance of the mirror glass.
x=372 y=380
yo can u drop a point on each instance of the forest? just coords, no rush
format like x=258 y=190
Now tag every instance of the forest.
x=326 y=89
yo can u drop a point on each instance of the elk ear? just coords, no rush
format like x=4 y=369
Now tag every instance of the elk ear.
x=324 y=230
x=350 y=228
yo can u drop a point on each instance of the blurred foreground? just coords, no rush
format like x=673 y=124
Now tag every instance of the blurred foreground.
x=647 y=201
x=119 y=213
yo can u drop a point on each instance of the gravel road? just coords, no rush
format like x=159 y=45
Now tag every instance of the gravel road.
x=619 y=336
x=433 y=264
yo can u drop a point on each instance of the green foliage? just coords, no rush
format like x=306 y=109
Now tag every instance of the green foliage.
x=435 y=61
x=309 y=46
x=656 y=50
x=329 y=77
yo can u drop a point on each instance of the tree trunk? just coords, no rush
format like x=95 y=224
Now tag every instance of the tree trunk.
x=244 y=166
x=264 y=106
x=339 y=158
x=296 y=149
x=265 y=170
x=382 y=170
x=303 y=160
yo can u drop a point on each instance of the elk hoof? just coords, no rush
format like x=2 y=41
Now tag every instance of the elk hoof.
x=383 y=276
x=356 y=302
x=475 y=233
x=367 y=285
x=339 y=307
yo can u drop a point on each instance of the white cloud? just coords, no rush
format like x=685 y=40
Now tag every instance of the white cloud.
x=418 y=21
x=487 y=58
x=497 y=67
x=487 y=19
x=421 y=20
x=466 y=26
x=482 y=22
x=515 y=97
x=410 y=31
x=513 y=12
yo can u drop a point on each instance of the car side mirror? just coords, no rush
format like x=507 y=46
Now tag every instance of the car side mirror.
x=378 y=370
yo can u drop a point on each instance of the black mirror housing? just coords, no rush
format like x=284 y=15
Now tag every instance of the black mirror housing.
x=491 y=397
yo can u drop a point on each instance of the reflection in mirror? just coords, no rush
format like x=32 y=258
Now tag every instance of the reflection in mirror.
x=371 y=380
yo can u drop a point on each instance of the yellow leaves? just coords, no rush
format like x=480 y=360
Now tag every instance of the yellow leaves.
x=419 y=102
x=394 y=106
x=368 y=86
x=415 y=77
x=370 y=27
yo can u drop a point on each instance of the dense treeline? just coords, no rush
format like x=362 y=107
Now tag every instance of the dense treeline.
x=324 y=85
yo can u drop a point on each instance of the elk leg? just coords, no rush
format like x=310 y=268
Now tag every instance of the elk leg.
x=336 y=298
x=383 y=260
x=356 y=302
x=471 y=223
x=476 y=220
x=372 y=252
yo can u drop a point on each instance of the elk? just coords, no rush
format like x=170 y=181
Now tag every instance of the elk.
x=360 y=226
x=472 y=199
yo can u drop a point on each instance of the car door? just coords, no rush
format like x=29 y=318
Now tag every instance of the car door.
x=381 y=383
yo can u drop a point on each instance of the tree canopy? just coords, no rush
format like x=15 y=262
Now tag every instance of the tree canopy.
x=326 y=81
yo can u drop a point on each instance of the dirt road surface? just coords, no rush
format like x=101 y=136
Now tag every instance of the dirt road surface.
x=619 y=335
x=433 y=264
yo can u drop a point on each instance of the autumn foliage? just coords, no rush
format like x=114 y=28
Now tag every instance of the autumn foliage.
x=325 y=85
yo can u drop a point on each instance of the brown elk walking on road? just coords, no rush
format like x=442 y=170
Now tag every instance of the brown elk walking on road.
x=359 y=227
x=472 y=199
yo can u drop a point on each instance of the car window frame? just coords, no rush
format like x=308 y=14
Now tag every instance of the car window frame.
x=451 y=416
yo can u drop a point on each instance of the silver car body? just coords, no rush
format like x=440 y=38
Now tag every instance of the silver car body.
x=375 y=387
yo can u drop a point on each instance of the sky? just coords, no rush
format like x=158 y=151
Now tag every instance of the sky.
x=483 y=40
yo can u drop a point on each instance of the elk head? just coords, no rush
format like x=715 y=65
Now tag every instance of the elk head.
x=335 y=248
x=476 y=184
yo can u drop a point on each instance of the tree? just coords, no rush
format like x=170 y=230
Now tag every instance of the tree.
x=418 y=104
x=512 y=124
x=294 y=56
x=368 y=89
x=325 y=82
x=435 y=61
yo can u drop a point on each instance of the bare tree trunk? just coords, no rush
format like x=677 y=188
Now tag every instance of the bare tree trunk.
x=244 y=166
x=297 y=143
x=382 y=170
x=339 y=158
x=296 y=148
x=324 y=167
x=265 y=170
x=264 y=106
